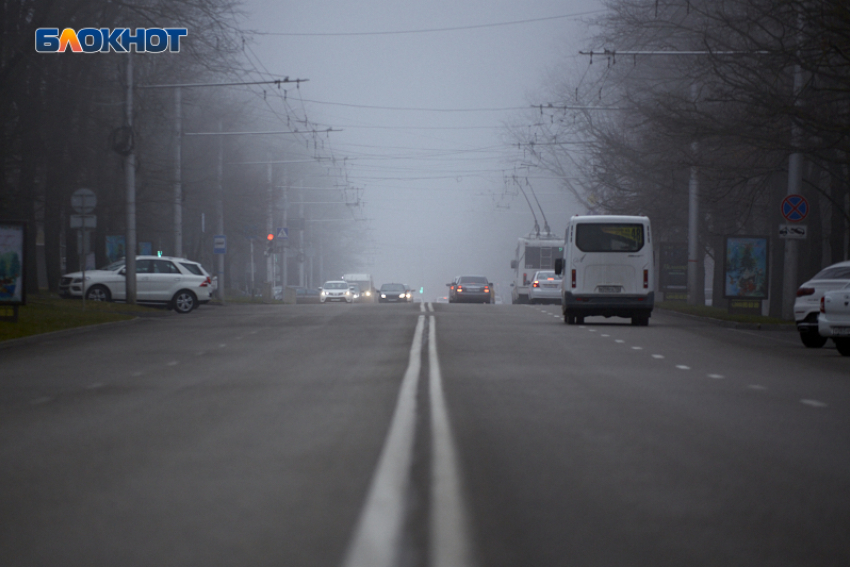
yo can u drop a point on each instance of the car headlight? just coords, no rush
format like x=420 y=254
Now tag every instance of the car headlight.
x=368 y=293
x=384 y=295
x=347 y=293
x=323 y=292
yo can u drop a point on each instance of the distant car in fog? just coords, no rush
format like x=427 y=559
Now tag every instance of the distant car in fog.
x=807 y=303
x=545 y=287
x=470 y=289
x=394 y=293
x=335 y=291
x=355 y=292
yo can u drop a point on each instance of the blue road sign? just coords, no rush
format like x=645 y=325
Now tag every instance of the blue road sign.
x=219 y=244
x=795 y=208
x=283 y=233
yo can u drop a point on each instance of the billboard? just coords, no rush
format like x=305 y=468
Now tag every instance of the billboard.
x=745 y=267
x=12 y=258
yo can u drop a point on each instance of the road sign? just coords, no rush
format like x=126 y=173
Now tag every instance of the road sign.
x=795 y=208
x=83 y=201
x=219 y=244
x=83 y=221
x=793 y=231
x=283 y=233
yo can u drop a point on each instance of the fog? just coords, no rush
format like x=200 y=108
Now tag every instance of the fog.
x=421 y=96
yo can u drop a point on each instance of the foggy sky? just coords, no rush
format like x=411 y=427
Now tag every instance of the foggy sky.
x=432 y=156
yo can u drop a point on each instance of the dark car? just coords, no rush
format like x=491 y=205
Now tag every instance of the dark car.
x=394 y=293
x=470 y=289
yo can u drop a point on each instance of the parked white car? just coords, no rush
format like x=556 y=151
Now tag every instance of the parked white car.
x=834 y=319
x=179 y=283
x=807 y=304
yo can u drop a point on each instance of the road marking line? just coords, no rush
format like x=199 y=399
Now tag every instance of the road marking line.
x=222 y=345
x=95 y=386
x=813 y=403
x=449 y=527
x=621 y=341
x=173 y=363
x=377 y=533
x=716 y=376
x=658 y=356
x=637 y=348
x=683 y=367
x=422 y=308
x=756 y=387
x=604 y=335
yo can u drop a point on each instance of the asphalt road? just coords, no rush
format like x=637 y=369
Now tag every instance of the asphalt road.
x=422 y=435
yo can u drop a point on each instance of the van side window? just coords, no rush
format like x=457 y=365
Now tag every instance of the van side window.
x=603 y=237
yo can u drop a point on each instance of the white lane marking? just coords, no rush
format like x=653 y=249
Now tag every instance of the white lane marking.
x=95 y=386
x=378 y=531
x=173 y=363
x=222 y=345
x=637 y=348
x=449 y=527
x=813 y=403
x=201 y=353
x=604 y=335
x=253 y=333
x=716 y=376
x=591 y=330
x=658 y=356
x=756 y=387
x=422 y=308
x=136 y=374
x=683 y=367
x=621 y=341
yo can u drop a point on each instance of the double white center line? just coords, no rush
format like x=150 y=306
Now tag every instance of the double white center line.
x=378 y=533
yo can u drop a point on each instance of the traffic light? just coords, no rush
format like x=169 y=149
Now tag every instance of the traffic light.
x=270 y=239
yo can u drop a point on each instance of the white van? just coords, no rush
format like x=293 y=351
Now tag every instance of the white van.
x=608 y=269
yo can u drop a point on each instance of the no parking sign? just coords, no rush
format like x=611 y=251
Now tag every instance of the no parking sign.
x=795 y=208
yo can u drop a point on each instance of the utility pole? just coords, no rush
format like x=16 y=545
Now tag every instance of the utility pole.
x=693 y=221
x=178 y=173
x=178 y=143
x=219 y=210
x=270 y=223
x=130 y=177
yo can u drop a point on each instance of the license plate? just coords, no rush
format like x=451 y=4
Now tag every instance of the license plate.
x=840 y=331
x=609 y=289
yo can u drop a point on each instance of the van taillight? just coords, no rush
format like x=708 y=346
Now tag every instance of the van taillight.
x=645 y=279
x=574 y=278
x=805 y=291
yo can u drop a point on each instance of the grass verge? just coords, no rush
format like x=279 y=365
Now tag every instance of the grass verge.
x=719 y=313
x=45 y=313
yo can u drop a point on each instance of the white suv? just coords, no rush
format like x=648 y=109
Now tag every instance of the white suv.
x=807 y=304
x=179 y=283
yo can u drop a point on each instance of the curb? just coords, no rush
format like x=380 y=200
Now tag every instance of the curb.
x=775 y=327
x=54 y=334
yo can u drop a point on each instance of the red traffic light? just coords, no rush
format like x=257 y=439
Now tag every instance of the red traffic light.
x=270 y=237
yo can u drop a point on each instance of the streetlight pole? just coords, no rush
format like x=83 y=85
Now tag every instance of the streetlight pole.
x=130 y=177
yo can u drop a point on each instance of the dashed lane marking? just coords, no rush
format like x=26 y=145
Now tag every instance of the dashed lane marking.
x=716 y=376
x=756 y=387
x=683 y=367
x=813 y=403
x=658 y=356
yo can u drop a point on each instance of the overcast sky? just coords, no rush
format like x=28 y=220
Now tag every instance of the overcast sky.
x=421 y=95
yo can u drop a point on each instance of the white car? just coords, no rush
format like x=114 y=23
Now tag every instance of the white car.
x=807 y=304
x=545 y=287
x=179 y=283
x=834 y=319
x=336 y=291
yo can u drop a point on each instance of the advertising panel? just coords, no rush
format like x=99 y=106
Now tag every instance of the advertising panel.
x=745 y=264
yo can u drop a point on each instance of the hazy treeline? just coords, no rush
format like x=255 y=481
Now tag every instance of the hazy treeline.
x=625 y=131
x=61 y=114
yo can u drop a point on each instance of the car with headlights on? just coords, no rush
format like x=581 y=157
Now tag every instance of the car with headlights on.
x=178 y=283
x=807 y=302
x=545 y=287
x=394 y=293
x=335 y=291
x=470 y=289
